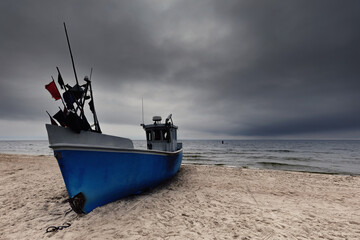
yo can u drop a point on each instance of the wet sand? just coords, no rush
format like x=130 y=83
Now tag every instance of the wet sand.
x=200 y=202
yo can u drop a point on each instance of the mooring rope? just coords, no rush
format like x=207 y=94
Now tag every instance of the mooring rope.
x=55 y=229
x=68 y=211
x=64 y=225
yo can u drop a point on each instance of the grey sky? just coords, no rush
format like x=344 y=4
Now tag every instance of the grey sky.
x=224 y=69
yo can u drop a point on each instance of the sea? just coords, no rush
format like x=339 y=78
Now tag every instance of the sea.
x=328 y=157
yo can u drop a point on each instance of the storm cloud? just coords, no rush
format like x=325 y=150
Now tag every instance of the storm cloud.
x=225 y=69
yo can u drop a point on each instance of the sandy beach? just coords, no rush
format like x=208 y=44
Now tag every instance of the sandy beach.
x=200 y=202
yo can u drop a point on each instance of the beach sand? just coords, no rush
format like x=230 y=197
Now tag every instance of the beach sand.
x=200 y=202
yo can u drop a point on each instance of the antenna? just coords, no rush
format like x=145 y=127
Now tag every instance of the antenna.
x=142 y=110
x=91 y=73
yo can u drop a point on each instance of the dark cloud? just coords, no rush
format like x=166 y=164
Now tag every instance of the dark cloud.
x=223 y=68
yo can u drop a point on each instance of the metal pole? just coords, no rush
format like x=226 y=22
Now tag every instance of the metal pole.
x=91 y=73
x=142 y=110
x=72 y=59
x=96 y=121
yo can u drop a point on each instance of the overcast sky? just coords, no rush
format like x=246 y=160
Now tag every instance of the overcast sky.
x=224 y=69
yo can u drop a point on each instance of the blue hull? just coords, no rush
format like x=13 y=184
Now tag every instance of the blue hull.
x=104 y=176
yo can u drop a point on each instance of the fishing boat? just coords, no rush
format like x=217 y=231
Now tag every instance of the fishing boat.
x=97 y=168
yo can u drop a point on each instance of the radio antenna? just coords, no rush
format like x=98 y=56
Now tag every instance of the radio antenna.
x=142 y=110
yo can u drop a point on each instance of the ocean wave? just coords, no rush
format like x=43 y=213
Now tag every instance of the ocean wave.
x=299 y=159
x=281 y=151
x=275 y=164
x=298 y=168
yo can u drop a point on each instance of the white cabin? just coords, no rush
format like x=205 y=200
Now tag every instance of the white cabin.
x=162 y=136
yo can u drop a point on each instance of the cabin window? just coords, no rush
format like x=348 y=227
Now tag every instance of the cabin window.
x=148 y=135
x=166 y=135
x=157 y=135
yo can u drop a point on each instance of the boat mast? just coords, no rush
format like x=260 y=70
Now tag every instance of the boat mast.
x=96 y=121
x=79 y=106
x=72 y=58
x=80 y=102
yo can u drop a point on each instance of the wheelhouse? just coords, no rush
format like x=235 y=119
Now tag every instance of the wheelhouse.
x=162 y=136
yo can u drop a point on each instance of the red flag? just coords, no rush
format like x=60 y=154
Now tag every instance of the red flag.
x=51 y=87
